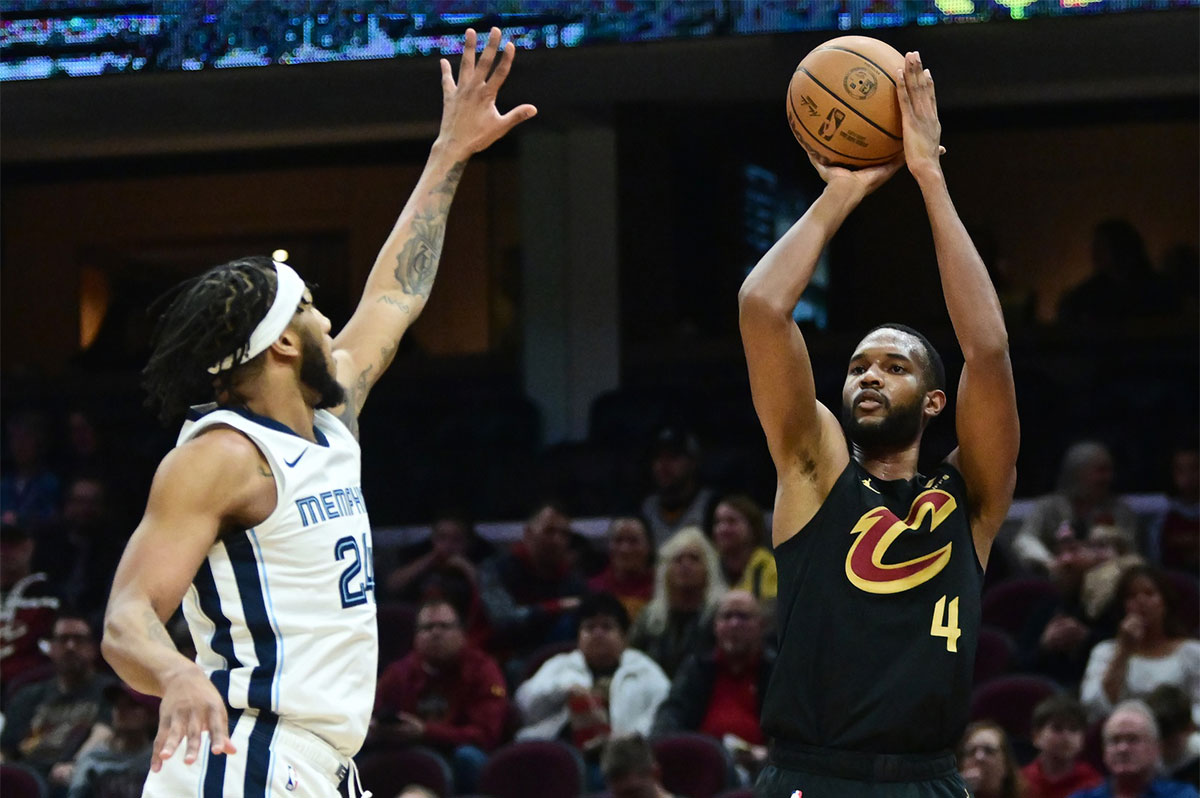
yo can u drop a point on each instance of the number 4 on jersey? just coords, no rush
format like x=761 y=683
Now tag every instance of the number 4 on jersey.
x=945 y=624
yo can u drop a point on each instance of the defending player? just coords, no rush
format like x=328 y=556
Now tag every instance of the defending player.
x=256 y=521
x=880 y=568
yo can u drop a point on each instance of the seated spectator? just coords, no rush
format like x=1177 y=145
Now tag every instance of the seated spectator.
x=80 y=550
x=720 y=692
x=678 y=500
x=29 y=491
x=1060 y=633
x=1175 y=535
x=530 y=592
x=1084 y=499
x=50 y=723
x=118 y=767
x=1131 y=754
x=738 y=533
x=1177 y=730
x=445 y=567
x=678 y=620
x=1149 y=648
x=27 y=607
x=601 y=688
x=630 y=770
x=1123 y=285
x=987 y=762
x=1059 y=726
x=445 y=694
x=630 y=572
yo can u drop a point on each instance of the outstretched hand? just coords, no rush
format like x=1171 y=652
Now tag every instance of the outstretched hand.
x=918 y=111
x=470 y=120
x=865 y=179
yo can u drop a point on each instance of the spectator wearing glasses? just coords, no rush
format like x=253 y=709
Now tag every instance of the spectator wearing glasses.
x=1132 y=754
x=50 y=723
x=445 y=694
x=987 y=762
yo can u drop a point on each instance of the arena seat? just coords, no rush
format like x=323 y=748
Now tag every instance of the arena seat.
x=694 y=765
x=545 y=768
x=387 y=771
x=994 y=654
x=1007 y=605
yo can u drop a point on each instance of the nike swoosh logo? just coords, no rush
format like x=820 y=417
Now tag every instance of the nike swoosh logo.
x=297 y=460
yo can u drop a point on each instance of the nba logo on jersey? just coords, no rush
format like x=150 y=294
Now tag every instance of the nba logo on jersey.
x=292 y=782
x=798 y=794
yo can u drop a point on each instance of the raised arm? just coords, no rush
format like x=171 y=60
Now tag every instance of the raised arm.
x=804 y=437
x=399 y=283
x=986 y=419
x=198 y=488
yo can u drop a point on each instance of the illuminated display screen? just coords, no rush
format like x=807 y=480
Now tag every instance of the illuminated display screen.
x=56 y=38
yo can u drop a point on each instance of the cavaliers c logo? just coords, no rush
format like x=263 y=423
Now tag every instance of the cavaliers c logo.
x=878 y=529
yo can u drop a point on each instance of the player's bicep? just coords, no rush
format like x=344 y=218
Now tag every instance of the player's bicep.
x=989 y=437
x=367 y=344
x=781 y=385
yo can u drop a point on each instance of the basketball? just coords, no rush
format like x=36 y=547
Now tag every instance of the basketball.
x=842 y=104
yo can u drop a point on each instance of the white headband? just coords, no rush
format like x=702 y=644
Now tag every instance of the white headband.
x=289 y=290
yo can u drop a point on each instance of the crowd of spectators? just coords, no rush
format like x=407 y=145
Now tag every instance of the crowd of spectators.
x=662 y=626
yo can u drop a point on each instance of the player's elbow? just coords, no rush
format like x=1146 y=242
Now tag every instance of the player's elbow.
x=992 y=351
x=756 y=305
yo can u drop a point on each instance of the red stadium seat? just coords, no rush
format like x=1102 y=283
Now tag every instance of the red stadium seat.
x=545 y=768
x=388 y=771
x=1007 y=605
x=397 y=623
x=994 y=655
x=17 y=782
x=1009 y=702
x=694 y=765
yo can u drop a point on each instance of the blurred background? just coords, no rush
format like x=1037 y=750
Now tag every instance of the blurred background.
x=587 y=293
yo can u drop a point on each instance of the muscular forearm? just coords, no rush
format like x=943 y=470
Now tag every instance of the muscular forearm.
x=783 y=273
x=138 y=647
x=407 y=264
x=970 y=297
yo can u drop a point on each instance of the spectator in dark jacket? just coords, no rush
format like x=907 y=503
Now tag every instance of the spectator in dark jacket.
x=445 y=694
x=720 y=692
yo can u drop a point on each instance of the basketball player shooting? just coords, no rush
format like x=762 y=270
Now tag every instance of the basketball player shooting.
x=880 y=568
x=256 y=521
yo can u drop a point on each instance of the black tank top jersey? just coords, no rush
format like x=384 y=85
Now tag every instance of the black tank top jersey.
x=878 y=618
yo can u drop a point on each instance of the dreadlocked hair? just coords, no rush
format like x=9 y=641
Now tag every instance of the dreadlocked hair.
x=210 y=318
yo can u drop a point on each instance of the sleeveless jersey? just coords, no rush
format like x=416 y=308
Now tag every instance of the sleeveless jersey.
x=283 y=614
x=879 y=606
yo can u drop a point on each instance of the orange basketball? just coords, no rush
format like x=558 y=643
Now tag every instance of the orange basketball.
x=841 y=101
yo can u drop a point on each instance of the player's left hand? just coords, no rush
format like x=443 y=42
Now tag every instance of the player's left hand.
x=470 y=121
x=918 y=110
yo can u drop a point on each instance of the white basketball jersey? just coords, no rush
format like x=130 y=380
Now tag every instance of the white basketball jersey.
x=283 y=615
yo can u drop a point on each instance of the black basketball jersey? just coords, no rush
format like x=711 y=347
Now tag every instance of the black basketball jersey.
x=878 y=618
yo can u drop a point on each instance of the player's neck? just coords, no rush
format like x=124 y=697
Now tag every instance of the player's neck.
x=887 y=464
x=279 y=397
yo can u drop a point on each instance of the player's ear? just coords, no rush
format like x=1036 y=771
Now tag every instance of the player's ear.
x=935 y=403
x=289 y=343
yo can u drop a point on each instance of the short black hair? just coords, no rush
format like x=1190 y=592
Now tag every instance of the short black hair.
x=626 y=756
x=935 y=369
x=1061 y=708
x=596 y=604
x=209 y=319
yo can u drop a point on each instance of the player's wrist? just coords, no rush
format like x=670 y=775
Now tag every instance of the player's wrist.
x=927 y=173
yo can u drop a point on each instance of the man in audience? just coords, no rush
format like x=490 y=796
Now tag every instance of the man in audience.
x=446 y=694
x=1132 y=752
x=678 y=500
x=117 y=768
x=27 y=607
x=80 y=550
x=531 y=591
x=600 y=688
x=720 y=692
x=630 y=770
x=1180 y=740
x=47 y=724
x=1059 y=724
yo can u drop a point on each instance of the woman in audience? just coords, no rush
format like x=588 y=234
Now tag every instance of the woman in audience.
x=630 y=572
x=678 y=620
x=1150 y=648
x=987 y=762
x=739 y=532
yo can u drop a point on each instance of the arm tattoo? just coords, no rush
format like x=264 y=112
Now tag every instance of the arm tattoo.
x=417 y=263
x=390 y=300
x=264 y=471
